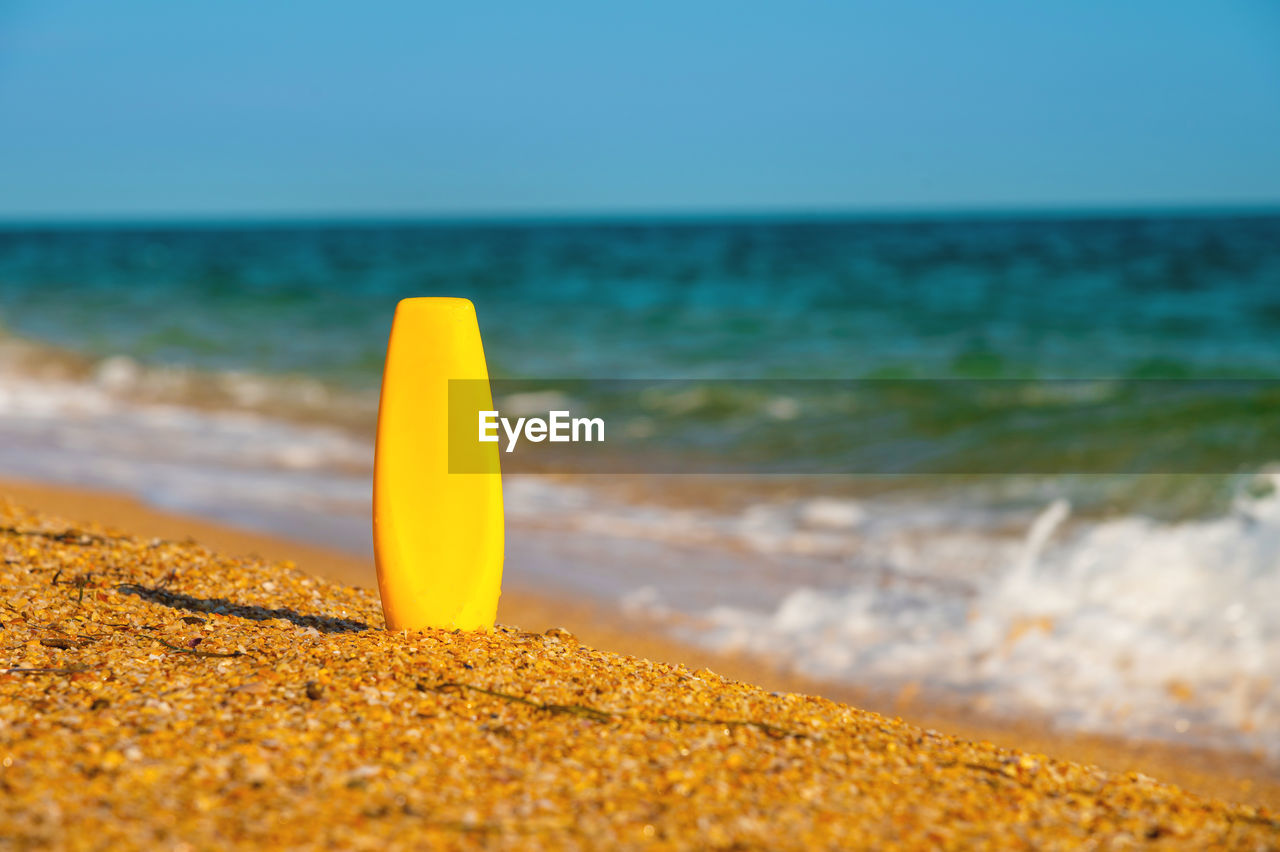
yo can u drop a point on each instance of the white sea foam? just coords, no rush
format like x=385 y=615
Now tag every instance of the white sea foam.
x=231 y=465
x=1131 y=625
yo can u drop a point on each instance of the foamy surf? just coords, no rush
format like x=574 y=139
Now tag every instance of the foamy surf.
x=238 y=466
x=1153 y=629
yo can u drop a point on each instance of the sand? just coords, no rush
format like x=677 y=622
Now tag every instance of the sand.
x=318 y=727
x=1233 y=776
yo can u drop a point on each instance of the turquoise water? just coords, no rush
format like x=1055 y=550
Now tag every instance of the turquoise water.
x=994 y=297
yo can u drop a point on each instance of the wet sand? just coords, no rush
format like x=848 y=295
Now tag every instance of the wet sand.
x=1230 y=776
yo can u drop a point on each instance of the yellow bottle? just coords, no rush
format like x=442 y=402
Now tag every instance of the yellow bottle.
x=437 y=536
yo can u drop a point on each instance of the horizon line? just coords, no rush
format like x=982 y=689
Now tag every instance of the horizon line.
x=643 y=215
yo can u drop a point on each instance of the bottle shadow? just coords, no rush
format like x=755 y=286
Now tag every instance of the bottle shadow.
x=222 y=606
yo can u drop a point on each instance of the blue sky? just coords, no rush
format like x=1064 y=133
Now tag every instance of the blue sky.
x=271 y=108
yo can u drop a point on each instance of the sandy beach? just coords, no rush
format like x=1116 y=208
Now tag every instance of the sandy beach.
x=159 y=691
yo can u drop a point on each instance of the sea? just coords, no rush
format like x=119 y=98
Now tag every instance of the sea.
x=1110 y=569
